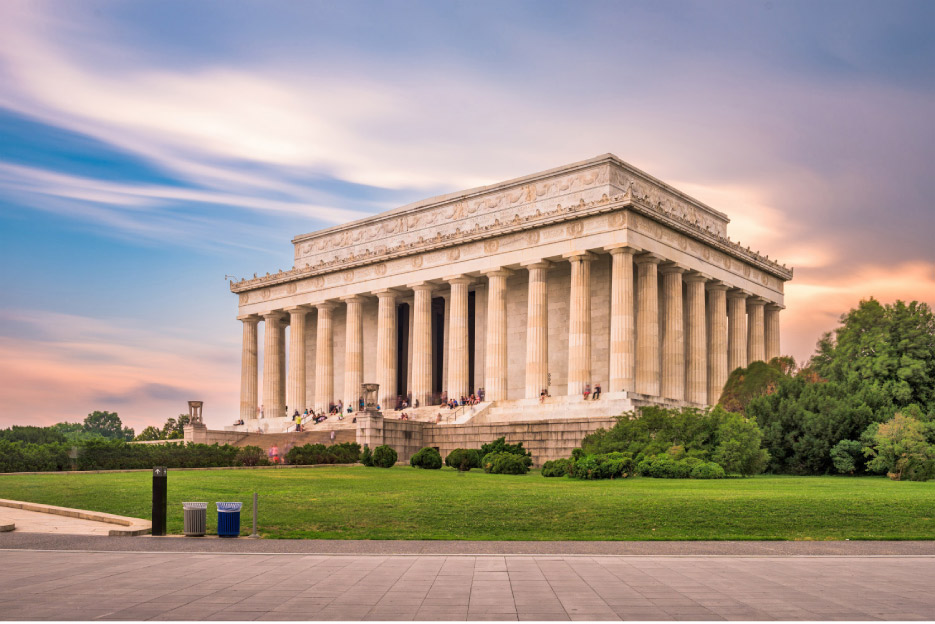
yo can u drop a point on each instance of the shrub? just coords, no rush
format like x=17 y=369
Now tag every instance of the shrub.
x=899 y=447
x=384 y=456
x=427 y=458
x=251 y=456
x=500 y=446
x=310 y=454
x=707 y=470
x=738 y=449
x=463 y=459
x=366 y=458
x=846 y=456
x=505 y=463
x=557 y=468
x=602 y=466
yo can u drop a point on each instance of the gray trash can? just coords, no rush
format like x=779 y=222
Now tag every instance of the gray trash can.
x=196 y=519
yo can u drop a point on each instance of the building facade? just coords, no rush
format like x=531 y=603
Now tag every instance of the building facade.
x=592 y=273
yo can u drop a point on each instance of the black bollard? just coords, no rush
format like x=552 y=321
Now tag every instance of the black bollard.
x=160 y=489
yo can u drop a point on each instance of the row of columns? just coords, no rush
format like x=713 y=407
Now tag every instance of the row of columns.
x=724 y=330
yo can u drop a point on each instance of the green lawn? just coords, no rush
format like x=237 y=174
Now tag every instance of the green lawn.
x=353 y=502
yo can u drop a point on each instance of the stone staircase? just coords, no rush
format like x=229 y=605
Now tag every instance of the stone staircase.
x=555 y=408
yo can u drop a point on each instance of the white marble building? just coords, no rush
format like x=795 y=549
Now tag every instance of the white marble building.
x=594 y=272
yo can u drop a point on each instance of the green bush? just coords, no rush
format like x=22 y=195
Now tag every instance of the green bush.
x=463 y=459
x=251 y=456
x=311 y=454
x=557 y=468
x=427 y=458
x=504 y=463
x=847 y=456
x=603 y=466
x=500 y=446
x=707 y=470
x=384 y=456
x=366 y=458
x=19 y=456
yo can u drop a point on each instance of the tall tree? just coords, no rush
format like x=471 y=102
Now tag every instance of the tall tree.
x=108 y=425
x=888 y=350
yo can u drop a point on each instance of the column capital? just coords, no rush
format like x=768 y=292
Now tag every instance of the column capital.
x=297 y=309
x=717 y=285
x=669 y=268
x=579 y=256
x=249 y=318
x=386 y=293
x=536 y=264
x=353 y=299
x=695 y=277
x=755 y=301
x=774 y=307
x=501 y=272
x=648 y=258
x=459 y=279
x=422 y=286
x=278 y=315
x=736 y=293
x=326 y=306
x=622 y=248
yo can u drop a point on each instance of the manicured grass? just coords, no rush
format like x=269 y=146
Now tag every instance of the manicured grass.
x=353 y=502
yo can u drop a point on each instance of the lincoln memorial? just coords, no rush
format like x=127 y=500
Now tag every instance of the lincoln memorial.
x=533 y=290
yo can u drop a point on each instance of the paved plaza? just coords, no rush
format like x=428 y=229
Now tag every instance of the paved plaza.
x=57 y=585
x=35 y=522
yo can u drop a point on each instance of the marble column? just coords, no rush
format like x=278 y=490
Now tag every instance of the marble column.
x=324 y=357
x=272 y=365
x=696 y=374
x=579 y=323
x=495 y=366
x=282 y=364
x=647 y=325
x=296 y=394
x=717 y=340
x=386 y=347
x=537 y=329
x=673 y=333
x=737 y=328
x=249 y=401
x=622 y=323
x=458 y=356
x=756 y=343
x=422 y=344
x=354 y=352
x=772 y=331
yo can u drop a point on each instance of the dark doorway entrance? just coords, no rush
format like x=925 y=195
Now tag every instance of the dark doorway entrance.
x=438 y=347
x=402 y=349
x=471 y=308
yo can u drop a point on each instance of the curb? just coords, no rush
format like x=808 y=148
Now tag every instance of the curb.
x=6 y=525
x=133 y=526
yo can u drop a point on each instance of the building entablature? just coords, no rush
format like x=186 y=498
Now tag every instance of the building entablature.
x=571 y=193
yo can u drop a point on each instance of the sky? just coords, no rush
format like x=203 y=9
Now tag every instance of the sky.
x=148 y=150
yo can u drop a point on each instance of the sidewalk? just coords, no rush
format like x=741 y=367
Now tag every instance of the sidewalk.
x=37 y=522
x=43 y=585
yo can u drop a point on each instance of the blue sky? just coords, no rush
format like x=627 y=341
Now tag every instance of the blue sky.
x=149 y=148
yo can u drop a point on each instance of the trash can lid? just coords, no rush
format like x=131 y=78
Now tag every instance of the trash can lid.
x=190 y=506
x=229 y=506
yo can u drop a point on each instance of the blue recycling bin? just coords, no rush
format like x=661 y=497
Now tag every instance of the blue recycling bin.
x=229 y=519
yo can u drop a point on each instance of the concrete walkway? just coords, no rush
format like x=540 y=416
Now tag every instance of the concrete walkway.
x=36 y=522
x=52 y=585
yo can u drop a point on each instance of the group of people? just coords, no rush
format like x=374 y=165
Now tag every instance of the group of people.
x=593 y=395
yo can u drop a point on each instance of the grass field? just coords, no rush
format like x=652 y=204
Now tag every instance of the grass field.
x=353 y=502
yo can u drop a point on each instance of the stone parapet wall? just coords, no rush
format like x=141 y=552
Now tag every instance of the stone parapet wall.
x=546 y=440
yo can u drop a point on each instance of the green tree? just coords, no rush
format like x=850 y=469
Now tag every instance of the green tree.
x=107 y=425
x=174 y=429
x=758 y=379
x=847 y=456
x=899 y=448
x=150 y=433
x=738 y=449
x=888 y=349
